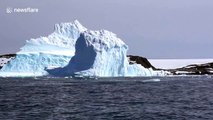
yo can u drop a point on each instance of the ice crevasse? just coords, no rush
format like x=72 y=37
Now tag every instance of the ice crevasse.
x=72 y=50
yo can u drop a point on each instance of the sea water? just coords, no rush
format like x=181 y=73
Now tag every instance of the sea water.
x=162 y=98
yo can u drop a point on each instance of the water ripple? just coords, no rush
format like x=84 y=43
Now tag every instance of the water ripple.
x=133 y=98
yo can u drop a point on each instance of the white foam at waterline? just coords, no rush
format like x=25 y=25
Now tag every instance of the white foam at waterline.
x=20 y=74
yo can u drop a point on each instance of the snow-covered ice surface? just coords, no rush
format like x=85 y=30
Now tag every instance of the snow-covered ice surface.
x=72 y=50
x=44 y=52
x=61 y=41
x=176 y=63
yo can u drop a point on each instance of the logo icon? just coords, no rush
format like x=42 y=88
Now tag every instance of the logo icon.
x=9 y=10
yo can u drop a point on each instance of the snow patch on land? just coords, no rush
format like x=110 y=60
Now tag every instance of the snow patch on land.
x=4 y=61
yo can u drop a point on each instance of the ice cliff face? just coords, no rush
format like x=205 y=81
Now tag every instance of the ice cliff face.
x=102 y=54
x=54 y=50
x=72 y=50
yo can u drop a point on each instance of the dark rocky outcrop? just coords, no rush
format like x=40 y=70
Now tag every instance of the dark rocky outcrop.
x=7 y=56
x=140 y=60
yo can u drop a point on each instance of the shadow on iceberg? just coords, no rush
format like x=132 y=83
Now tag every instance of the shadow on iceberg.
x=83 y=60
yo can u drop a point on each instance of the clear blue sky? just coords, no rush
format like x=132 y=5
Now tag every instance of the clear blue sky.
x=151 y=28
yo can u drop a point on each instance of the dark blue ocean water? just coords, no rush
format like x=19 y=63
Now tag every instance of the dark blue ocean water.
x=166 y=98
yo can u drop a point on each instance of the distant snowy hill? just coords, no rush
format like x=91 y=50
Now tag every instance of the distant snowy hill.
x=185 y=66
x=177 y=63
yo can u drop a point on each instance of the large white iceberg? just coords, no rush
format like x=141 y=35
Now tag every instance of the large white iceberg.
x=102 y=54
x=72 y=50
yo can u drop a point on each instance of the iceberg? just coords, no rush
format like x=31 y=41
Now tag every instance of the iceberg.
x=100 y=54
x=54 y=50
x=73 y=50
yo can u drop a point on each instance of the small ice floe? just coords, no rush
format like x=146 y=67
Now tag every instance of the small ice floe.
x=183 y=72
x=152 y=80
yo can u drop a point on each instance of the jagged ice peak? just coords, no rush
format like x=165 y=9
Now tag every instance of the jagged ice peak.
x=68 y=27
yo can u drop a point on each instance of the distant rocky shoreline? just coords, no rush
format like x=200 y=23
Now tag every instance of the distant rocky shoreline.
x=193 y=69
